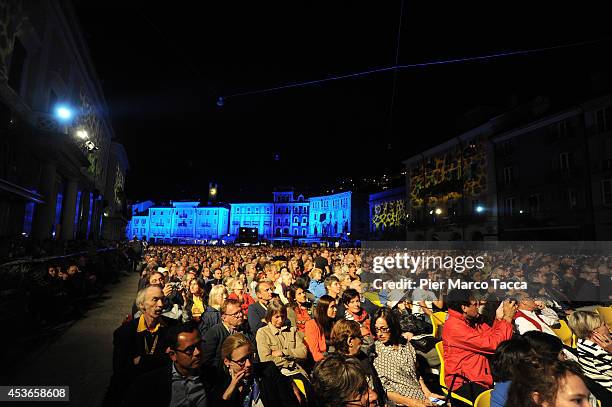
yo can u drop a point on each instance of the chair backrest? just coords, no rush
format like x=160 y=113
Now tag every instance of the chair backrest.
x=483 y=400
x=437 y=319
x=606 y=314
x=440 y=351
x=564 y=333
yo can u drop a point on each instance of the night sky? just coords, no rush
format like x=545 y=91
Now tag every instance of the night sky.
x=164 y=64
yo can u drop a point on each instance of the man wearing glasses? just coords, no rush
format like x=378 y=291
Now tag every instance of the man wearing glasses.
x=179 y=384
x=231 y=320
x=468 y=341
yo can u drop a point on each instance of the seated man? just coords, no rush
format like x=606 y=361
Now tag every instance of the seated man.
x=468 y=341
x=139 y=345
x=231 y=319
x=533 y=315
x=257 y=311
x=179 y=383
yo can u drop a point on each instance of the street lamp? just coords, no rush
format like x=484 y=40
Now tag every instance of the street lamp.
x=82 y=134
x=479 y=209
x=64 y=113
x=438 y=211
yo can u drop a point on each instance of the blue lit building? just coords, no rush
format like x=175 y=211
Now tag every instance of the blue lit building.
x=252 y=215
x=182 y=220
x=286 y=218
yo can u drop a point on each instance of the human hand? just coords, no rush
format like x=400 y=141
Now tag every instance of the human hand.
x=509 y=309
x=167 y=290
x=276 y=353
x=540 y=304
x=136 y=360
x=602 y=340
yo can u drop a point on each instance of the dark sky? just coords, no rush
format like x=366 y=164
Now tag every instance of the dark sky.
x=163 y=65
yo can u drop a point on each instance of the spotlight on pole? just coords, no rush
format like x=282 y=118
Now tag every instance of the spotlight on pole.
x=479 y=209
x=82 y=134
x=438 y=211
x=63 y=112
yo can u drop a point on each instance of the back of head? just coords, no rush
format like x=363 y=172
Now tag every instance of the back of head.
x=342 y=331
x=338 y=379
x=508 y=356
x=543 y=344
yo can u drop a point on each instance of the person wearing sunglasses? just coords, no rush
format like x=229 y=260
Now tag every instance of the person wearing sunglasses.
x=244 y=383
x=179 y=383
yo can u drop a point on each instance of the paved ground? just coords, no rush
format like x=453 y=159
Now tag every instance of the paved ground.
x=82 y=357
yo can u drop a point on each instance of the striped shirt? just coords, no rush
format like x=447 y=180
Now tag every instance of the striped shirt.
x=596 y=363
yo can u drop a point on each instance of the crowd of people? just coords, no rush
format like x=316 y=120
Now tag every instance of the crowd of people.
x=255 y=326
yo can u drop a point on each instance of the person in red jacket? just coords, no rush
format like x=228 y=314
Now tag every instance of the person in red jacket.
x=468 y=341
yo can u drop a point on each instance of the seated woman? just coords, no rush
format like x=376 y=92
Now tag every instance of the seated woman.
x=353 y=312
x=317 y=330
x=195 y=301
x=347 y=339
x=245 y=383
x=212 y=315
x=236 y=286
x=594 y=347
x=548 y=383
x=341 y=381
x=395 y=363
x=297 y=312
x=285 y=347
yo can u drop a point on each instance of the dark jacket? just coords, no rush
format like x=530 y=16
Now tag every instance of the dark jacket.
x=276 y=389
x=210 y=317
x=256 y=314
x=127 y=345
x=211 y=345
x=151 y=389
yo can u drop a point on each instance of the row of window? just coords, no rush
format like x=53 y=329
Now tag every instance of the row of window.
x=566 y=163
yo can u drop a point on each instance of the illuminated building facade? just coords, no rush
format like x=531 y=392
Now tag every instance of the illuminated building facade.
x=183 y=220
x=61 y=173
x=286 y=218
x=252 y=215
x=388 y=214
x=290 y=215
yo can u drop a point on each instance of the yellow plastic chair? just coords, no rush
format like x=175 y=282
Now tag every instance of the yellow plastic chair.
x=565 y=333
x=373 y=296
x=483 y=400
x=606 y=314
x=437 y=319
x=440 y=351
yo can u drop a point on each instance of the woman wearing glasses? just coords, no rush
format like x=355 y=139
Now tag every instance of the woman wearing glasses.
x=395 y=362
x=346 y=337
x=318 y=329
x=247 y=384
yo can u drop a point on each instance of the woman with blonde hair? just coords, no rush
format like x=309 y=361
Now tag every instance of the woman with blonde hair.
x=594 y=347
x=212 y=315
x=235 y=286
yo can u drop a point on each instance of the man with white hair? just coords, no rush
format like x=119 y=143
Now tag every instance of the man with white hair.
x=139 y=345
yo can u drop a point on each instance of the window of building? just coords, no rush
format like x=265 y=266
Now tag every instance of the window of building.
x=563 y=129
x=18 y=58
x=256 y=210
x=304 y=220
x=506 y=147
x=237 y=210
x=564 y=161
x=248 y=210
x=508 y=175
x=534 y=203
x=509 y=205
x=295 y=219
x=295 y=232
x=606 y=164
x=268 y=209
x=606 y=191
x=603 y=118
x=572 y=200
x=27 y=218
